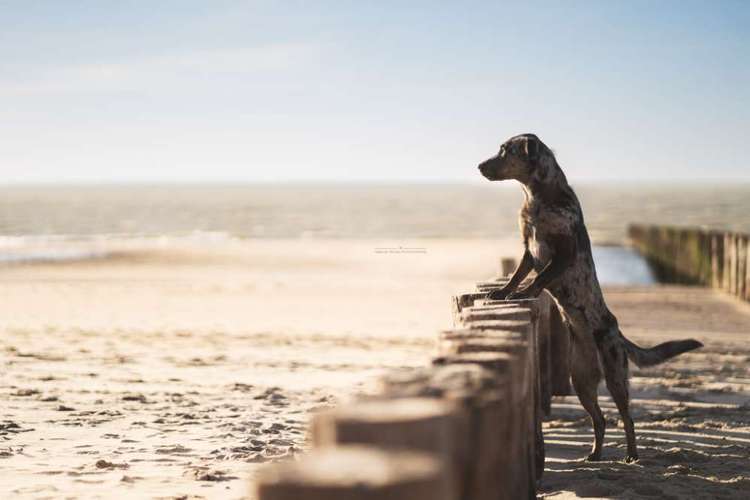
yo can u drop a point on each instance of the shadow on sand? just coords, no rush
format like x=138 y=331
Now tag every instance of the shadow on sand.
x=693 y=428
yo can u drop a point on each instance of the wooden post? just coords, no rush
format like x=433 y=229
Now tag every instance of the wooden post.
x=717 y=259
x=553 y=335
x=695 y=260
x=725 y=263
x=520 y=374
x=419 y=424
x=536 y=435
x=706 y=260
x=546 y=302
x=699 y=247
x=515 y=318
x=680 y=260
x=454 y=341
x=741 y=265
x=482 y=388
x=455 y=307
x=486 y=286
x=485 y=315
x=735 y=264
x=560 y=346
x=507 y=451
x=477 y=395
x=460 y=302
x=729 y=266
x=532 y=396
x=700 y=270
x=354 y=473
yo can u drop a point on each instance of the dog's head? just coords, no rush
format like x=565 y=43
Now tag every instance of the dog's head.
x=524 y=158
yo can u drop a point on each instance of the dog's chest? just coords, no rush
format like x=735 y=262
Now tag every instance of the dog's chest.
x=540 y=226
x=539 y=248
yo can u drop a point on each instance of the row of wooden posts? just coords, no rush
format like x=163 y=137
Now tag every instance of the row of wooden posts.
x=694 y=256
x=467 y=427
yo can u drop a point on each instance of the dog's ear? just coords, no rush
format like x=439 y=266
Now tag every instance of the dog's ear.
x=531 y=148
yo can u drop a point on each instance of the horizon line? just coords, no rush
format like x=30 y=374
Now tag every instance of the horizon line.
x=353 y=182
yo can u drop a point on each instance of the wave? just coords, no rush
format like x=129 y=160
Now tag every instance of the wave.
x=50 y=256
x=59 y=248
x=21 y=240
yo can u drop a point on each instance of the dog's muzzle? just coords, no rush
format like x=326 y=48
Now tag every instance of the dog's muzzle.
x=487 y=170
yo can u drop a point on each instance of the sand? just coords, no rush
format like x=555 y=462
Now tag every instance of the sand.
x=174 y=370
x=692 y=414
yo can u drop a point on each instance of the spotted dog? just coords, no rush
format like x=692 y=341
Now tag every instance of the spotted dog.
x=558 y=248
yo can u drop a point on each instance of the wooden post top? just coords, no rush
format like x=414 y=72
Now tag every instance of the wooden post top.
x=352 y=472
x=453 y=382
x=497 y=362
x=509 y=333
x=392 y=410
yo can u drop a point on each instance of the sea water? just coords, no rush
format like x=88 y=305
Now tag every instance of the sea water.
x=58 y=223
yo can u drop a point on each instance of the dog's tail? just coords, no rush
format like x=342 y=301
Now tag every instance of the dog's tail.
x=658 y=354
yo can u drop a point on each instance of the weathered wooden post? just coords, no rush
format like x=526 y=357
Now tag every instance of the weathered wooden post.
x=354 y=473
x=703 y=271
x=737 y=265
x=480 y=397
x=508 y=445
x=725 y=262
x=667 y=254
x=717 y=259
x=681 y=260
x=460 y=302
x=741 y=265
x=517 y=463
x=706 y=261
x=419 y=424
x=560 y=354
x=544 y=344
x=730 y=263
x=490 y=316
x=700 y=270
x=541 y=341
x=554 y=340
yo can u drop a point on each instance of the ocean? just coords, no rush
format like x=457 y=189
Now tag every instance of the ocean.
x=61 y=223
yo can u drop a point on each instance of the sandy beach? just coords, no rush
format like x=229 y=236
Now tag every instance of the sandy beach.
x=174 y=371
x=218 y=219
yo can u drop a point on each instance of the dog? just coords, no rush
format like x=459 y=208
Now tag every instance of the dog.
x=557 y=247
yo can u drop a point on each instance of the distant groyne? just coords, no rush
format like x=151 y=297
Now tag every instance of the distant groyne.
x=695 y=256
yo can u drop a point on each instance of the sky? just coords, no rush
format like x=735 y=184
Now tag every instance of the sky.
x=263 y=91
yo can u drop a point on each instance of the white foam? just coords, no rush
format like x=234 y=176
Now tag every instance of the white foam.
x=51 y=255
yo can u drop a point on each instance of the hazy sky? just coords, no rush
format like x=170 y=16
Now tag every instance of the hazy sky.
x=260 y=91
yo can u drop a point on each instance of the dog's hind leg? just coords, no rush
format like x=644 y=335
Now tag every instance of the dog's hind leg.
x=615 y=363
x=586 y=375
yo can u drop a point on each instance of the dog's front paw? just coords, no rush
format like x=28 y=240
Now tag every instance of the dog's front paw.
x=498 y=294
